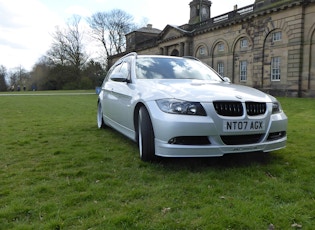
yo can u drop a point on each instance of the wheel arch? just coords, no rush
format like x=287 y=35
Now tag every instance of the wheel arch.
x=98 y=100
x=136 y=118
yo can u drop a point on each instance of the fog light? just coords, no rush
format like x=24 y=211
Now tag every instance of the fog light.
x=276 y=136
x=172 y=141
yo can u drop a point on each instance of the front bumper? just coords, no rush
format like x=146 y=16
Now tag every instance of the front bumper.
x=168 y=126
x=167 y=150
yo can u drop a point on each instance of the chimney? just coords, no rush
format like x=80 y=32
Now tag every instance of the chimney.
x=200 y=10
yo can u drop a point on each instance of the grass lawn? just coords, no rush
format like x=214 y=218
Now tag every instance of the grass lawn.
x=58 y=171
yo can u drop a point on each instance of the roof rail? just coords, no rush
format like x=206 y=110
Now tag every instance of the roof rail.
x=191 y=57
x=127 y=55
x=131 y=54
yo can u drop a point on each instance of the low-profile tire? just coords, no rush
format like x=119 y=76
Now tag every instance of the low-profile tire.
x=100 y=120
x=146 y=136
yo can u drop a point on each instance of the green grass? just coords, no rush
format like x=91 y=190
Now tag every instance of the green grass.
x=58 y=171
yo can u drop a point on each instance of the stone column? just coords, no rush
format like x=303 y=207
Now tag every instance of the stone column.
x=165 y=50
x=186 y=49
x=161 y=51
x=181 y=49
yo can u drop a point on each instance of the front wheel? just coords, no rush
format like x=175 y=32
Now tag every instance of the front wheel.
x=100 y=120
x=145 y=136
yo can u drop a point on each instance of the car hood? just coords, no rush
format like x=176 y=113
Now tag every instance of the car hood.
x=201 y=91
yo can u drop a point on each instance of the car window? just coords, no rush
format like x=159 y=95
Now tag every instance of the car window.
x=125 y=69
x=114 y=69
x=173 y=68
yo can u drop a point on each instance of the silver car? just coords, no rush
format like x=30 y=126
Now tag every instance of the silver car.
x=180 y=107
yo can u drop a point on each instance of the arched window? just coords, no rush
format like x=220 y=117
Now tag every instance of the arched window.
x=175 y=52
x=201 y=51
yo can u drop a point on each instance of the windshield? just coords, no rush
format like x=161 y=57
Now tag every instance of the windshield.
x=173 y=68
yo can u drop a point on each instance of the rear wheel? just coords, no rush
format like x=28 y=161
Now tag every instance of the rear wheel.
x=100 y=120
x=145 y=136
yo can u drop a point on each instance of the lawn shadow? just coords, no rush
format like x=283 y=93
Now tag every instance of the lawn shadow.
x=200 y=163
x=226 y=161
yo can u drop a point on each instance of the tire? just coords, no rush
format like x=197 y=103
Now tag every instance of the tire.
x=100 y=120
x=146 y=136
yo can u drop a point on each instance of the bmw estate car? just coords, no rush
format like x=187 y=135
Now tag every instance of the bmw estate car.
x=180 y=107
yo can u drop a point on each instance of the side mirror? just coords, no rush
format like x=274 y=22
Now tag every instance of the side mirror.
x=118 y=77
x=226 y=79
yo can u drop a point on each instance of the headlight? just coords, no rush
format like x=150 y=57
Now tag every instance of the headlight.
x=181 y=107
x=276 y=107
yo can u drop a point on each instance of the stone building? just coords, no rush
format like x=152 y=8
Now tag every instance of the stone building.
x=269 y=45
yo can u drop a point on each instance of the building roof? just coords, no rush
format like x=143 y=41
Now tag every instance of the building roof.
x=148 y=29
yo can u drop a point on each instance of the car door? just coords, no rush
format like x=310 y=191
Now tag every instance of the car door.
x=119 y=100
x=107 y=99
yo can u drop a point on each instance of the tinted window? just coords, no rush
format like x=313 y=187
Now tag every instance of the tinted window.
x=114 y=69
x=125 y=69
x=173 y=68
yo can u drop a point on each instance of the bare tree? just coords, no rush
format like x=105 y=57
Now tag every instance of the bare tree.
x=67 y=47
x=3 y=74
x=110 y=28
x=19 y=77
x=40 y=74
x=57 y=52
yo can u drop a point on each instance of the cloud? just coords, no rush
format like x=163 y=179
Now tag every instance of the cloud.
x=24 y=26
x=10 y=15
x=78 y=10
x=10 y=44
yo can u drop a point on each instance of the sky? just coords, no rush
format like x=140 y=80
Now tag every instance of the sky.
x=26 y=26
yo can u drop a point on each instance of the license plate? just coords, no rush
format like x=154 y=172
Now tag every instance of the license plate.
x=231 y=126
